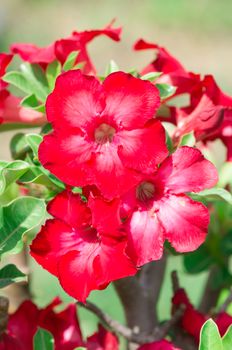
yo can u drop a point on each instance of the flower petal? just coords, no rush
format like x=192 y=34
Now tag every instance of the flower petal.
x=145 y=238
x=149 y=143
x=185 y=222
x=90 y=268
x=187 y=170
x=76 y=100
x=130 y=101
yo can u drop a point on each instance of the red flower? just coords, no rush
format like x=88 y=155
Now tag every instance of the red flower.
x=102 y=340
x=159 y=345
x=160 y=210
x=103 y=134
x=223 y=321
x=5 y=60
x=60 y=49
x=63 y=325
x=173 y=71
x=23 y=324
x=192 y=320
x=71 y=248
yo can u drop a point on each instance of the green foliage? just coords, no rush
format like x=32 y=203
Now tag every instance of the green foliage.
x=165 y=90
x=198 y=261
x=210 y=338
x=152 y=76
x=17 y=218
x=43 y=340
x=111 y=68
x=188 y=140
x=52 y=72
x=11 y=172
x=34 y=140
x=10 y=274
x=70 y=61
x=32 y=81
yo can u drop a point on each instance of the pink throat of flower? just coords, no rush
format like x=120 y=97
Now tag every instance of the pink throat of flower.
x=145 y=191
x=104 y=133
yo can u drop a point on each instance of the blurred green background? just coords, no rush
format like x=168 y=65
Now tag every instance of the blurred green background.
x=197 y=32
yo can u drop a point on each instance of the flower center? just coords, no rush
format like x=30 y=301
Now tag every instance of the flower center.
x=145 y=191
x=104 y=133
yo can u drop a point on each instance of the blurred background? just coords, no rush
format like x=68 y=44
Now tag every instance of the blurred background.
x=197 y=32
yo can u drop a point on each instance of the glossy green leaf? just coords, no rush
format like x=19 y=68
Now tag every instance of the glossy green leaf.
x=29 y=101
x=151 y=76
x=227 y=339
x=11 y=172
x=111 y=68
x=70 y=61
x=198 y=261
x=17 y=146
x=214 y=194
x=52 y=72
x=17 y=218
x=188 y=140
x=210 y=338
x=36 y=79
x=18 y=80
x=34 y=140
x=43 y=340
x=165 y=90
x=10 y=274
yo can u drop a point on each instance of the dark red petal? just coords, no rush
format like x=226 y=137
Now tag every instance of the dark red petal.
x=187 y=170
x=5 y=60
x=185 y=222
x=159 y=345
x=63 y=325
x=149 y=143
x=145 y=237
x=69 y=207
x=130 y=101
x=22 y=325
x=223 y=321
x=102 y=340
x=75 y=102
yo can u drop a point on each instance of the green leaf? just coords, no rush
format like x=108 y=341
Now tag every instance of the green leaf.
x=151 y=76
x=17 y=218
x=225 y=175
x=226 y=244
x=17 y=146
x=70 y=61
x=169 y=141
x=43 y=340
x=10 y=274
x=18 y=80
x=198 y=261
x=34 y=140
x=37 y=80
x=111 y=68
x=11 y=172
x=29 y=101
x=52 y=72
x=165 y=90
x=214 y=194
x=188 y=140
x=227 y=339
x=210 y=338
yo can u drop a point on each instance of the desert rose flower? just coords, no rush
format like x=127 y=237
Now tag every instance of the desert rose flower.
x=160 y=210
x=71 y=246
x=159 y=345
x=104 y=134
